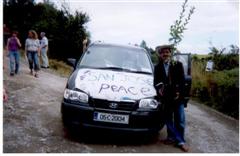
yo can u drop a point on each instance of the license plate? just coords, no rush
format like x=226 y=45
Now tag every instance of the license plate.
x=114 y=118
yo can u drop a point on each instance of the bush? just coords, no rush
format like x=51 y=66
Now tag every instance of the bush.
x=220 y=88
x=64 y=30
x=227 y=100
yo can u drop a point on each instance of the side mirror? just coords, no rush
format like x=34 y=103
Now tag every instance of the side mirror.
x=71 y=62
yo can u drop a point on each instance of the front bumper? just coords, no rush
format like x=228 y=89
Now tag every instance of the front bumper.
x=75 y=115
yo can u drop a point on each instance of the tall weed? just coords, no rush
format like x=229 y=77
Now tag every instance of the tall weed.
x=218 y=89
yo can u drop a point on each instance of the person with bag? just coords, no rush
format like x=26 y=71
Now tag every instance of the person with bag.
x=13 y=45
x=170 y=74
x=32 y=51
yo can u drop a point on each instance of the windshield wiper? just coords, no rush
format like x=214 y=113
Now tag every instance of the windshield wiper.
x=142 y=72
x=115 y=68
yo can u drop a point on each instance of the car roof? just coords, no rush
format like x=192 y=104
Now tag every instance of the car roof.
x=116 y=45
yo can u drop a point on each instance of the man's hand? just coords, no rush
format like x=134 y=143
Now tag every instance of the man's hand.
x=161 y=91
x=177 y=96
x=39 y=52
x=18 y=42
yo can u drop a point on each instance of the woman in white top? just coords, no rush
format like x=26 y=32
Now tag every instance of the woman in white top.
x=32 y=50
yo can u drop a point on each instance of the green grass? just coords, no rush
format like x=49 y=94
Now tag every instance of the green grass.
x=217 y=89
x=60 y=67
x=203 y=56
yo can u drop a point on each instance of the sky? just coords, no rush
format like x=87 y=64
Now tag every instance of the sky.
x=214 y=22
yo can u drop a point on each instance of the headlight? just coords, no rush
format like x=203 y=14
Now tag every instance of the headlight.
x=148 y=103
x=75 y=95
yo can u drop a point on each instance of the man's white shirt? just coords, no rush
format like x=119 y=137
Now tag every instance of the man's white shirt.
x=44 y=42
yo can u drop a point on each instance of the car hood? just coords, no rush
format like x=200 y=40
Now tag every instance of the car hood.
x=114 y=85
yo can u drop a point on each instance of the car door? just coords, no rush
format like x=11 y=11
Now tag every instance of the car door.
x=185 y=58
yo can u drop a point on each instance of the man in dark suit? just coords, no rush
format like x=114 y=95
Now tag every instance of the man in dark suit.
x=169 y=84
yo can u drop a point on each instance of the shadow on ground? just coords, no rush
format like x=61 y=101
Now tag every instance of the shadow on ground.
x=91 y=136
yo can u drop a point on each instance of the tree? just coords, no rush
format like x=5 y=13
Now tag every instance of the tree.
x=234 y=49
x=64 y=30
x=223 y=59
x=177 y=29
x=143 y=44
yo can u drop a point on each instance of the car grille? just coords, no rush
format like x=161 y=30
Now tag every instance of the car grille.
x=128 y=106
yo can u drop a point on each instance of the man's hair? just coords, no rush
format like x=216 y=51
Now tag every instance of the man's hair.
x=43 y=33
x=14 y=32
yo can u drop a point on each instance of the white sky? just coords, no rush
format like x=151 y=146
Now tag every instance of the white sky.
x=131 y=21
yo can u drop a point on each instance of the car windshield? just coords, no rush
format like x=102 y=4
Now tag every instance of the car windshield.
x=117 y=58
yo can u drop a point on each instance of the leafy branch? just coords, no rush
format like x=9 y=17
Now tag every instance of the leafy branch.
x=177 y=29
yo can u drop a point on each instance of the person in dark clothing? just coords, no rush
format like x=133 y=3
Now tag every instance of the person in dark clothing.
x=170 y=74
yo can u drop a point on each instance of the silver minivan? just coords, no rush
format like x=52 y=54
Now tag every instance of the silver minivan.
x=111 y=88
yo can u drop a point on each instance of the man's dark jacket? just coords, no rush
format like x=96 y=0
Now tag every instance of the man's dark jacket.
x=173 y=83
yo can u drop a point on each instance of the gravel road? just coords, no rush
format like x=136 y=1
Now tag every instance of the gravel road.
x=32 y=124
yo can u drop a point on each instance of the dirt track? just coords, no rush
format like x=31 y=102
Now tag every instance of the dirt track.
x=32 y=124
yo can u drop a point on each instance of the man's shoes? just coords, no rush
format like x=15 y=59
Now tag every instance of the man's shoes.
x=16 y=71
x=44 y=67
x=11 y=74
x=36 y=75
x=184 y=147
